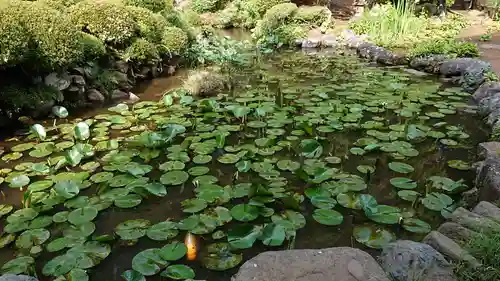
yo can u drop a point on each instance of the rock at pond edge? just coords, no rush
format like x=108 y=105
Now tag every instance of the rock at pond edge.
x=488 y=179
x=339 y=264
x=406 y=260
x=456 y=232
x=487 y=209
x=449 y=248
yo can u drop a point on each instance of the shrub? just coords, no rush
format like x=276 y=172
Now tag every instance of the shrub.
x=60 y=5
x=446 y=47
x=151 y=25
x=314 y=15
x=204 y=83
x=141 y=51
x=257 y=8
x=486 y=248
x=110 y=22
x=21 y=97
x=92 y=47
x=202 y=6
x=273 y=18
x=178 y=19
x=52 y=39
x=153 y=5
x=174 y=39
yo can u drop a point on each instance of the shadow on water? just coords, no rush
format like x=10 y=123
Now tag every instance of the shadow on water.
x=275 y=78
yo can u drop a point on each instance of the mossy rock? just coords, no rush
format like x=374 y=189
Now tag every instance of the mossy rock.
x=204 y=83
x=313 y=15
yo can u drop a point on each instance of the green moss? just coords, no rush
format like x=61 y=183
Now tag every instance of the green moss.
x=313 y=15
x=202 y=6
x=49 y=36
x=445 y=47
x=141 y=51
x=110 y=22
x=153 y=5
x=151 y=25
x=93 y=48
x=174 y=40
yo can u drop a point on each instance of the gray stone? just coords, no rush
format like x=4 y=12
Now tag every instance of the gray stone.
x=44 y=109
x=351 y=39
x=12 y=277
x=311 y=43
x=329 y=40
x=339 y=264
x=78 y=80
x=133 y=97
x=449 y=248
x=485 y=90
x=119 y=95
x=298 y=42
x=469 y=198
x=474 y=221
x=122 y=81
x=379 y=54
x=95 y=96
x=409 y=261
x=456 y=232
x=431 y=64
x=486 y=209
x=489 y=104
x=472 y=71
x=416 y=72
x=488 y=149
x=488 y=179
x=60 y=81
x=122 y=66
x=145 y=71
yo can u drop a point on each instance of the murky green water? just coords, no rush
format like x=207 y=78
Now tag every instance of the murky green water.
x=300 y=154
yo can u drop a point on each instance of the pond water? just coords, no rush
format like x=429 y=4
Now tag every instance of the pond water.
x=306 y=151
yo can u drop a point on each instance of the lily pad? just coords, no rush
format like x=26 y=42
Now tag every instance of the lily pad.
x=459 y=165
x=132 y=229
x=408 y=195
x=174 y=178
x=82 y=215
x=33 y=237
x=148 y=262
x=133 y=275
x=437 y=201
x=173 y=251
x=273 y=235
x=416 y=226
x=402 y=168
x=243 y=236
x=220 y=257
x=128 y=201
x=245 y=212
x=328 y=217
x=178 y=272
x=162 y=231
x=373 y=237
x=19 y=265
x=403 y=183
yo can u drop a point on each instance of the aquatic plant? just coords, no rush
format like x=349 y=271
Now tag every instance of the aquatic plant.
x=450 y=47
x=300 y=132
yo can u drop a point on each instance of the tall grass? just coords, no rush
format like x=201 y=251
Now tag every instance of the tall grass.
x=486 y=248
x=391 y=26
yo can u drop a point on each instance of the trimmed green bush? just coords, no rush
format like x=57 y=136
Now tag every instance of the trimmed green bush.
x=259 y=7
x=174 y=39
x=276 y=16
x=151 y=25
x=202 y=6
x=153 y=5
x=52 y=39
x=445 y=47
x=60 y=5
x=111 y=22
x=141 y=51
x=314 y=15
x=92 y=47
x=178 y=19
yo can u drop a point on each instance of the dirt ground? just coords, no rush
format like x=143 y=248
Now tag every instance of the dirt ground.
x=490 y=50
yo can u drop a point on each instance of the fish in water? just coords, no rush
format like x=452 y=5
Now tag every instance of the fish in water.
x=191 y=245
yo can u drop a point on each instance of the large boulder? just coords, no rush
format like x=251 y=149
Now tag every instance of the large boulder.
x=379 y=54
x=431 y=64
x=488 y=179
x=472 y=71
x=12 y=277
x=339 y=264
x=449 y=248
x=474 y=221
x=406 y=260
x=458 y=233
x=485 y=90
x=60 y=81
x=486 y=209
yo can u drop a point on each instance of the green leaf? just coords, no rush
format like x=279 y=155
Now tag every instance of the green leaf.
x=82 y=131
x=243 y=166
x=173 y=251
x=5 y=209
x=416 y=226
x=133 y=275
x=174 y=178
x=402 y=168
x=328 y=217
x=311 y=148
x=273 y=235
x=156 y=189
x=132 y=229
x=39 y=131
x=243 y=236
x=82 y=215
x=19 y=265
x=33 y=237
x=60 y=112
x=178 y=272
x=437 y=201
x=384 y=214
x=67 y=189
x=245 y=212
x=148 y=262
x=193 y=205
x=219 y=257
x=408 y=195
x=162 y=231
x=128 y=201
x=403 y=183
x=19 y=181
x=373 y=237
x=60 y=265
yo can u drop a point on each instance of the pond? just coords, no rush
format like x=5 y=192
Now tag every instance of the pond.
x=305 y=151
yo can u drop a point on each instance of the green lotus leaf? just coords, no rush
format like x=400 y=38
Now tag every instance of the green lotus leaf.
x=436 y=201
x=328 y=217
x=178 y=272
x=173 y=251
x=32 y=237
x=174 y=178
x=22 y=147
x=19 y=181
x=22 y=215
x=67 y=189
x=459 y=165
x=6 y=239
x=5 y=209
x=403 y=183
x=162 y=231
x=202 y=159
x=220 y=257
x=243 y=236
x=198 y=171
x=132 y=229
x=416 y=226
x=19 y=265
x=133 y=275
x=101 y=177
x=245 y=212
x=82 y=215
x=128 y=201
x=373 y=237
x=408 y=195
x=401 y=167
x=79 y=231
